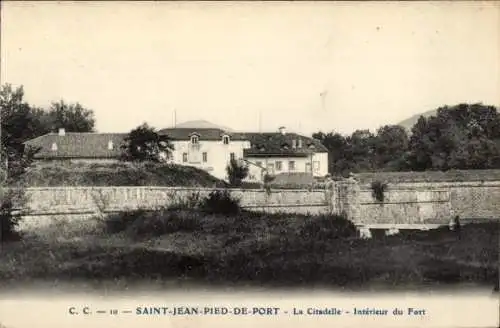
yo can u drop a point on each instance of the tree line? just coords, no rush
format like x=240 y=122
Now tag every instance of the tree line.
x=22 y=121
x=464 y=136
x=460 y=137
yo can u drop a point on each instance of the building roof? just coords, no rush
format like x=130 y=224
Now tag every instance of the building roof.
x=204 y=133
x=263 y=144
x=277 y=144
x=78 y=145
x=95 y=145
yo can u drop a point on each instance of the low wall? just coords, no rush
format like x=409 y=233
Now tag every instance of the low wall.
x=405 y=204
x=45 y=204
x=420 y=203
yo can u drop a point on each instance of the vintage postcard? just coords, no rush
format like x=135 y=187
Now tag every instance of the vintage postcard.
x=241 y=164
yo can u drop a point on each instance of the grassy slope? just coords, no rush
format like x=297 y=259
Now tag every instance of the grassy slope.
x=128 y=174
x=120 y=174
x=258 y=250
x=430 y=176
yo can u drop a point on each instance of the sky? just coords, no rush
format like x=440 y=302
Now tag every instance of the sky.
x=308 y=66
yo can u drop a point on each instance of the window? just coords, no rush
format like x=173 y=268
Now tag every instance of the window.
x=279 y=166
x=54 y=147
x=195 y=140
x=316 y=165
x=294 y=143
x=110 y=145
x=205 y=157
x=225 y=140
x=232 y=156
x=270 y=168
x=291 y=166
x=184 y=157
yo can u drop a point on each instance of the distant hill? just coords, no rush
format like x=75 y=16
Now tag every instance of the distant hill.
x=201 y=124
x=410 y=122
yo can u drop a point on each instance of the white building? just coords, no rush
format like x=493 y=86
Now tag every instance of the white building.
x=207 y=148
x=211 y=148
x=282 y=153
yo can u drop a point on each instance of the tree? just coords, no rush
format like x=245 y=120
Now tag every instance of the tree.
x=337 y=148
x=17 y=125
x=18 y=121
x=465 y=136
x=361 y=150
x=21 y=122
x=72 y=117
x=236 y=173
x=391 y=148
x=145 y=144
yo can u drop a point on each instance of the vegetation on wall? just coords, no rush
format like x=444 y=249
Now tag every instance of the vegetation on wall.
x=378 y=190
x=268 y=179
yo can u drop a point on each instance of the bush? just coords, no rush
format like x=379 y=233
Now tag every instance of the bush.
x=140 y=222
x=120 y=222
x=11 y=200
x=220 y=202
x=327 y=226
x=236 y=173
x=165 y=221
x=191 y=202
x=378 y=190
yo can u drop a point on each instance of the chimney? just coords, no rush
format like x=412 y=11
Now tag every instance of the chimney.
x=282 y=130
x=62 y=132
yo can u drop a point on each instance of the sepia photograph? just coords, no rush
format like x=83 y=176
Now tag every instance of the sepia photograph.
x=175 y=146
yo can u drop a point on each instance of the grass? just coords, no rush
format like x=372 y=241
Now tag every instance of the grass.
x=117 y=174
x=251 y=249
x=430 y=176
x=130 y=174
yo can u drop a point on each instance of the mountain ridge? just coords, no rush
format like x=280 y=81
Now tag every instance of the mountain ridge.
x=201 y=124
x=410 y=122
